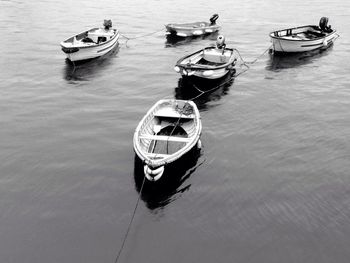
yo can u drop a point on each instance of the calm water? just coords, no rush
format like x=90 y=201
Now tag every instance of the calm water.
x=271 y=183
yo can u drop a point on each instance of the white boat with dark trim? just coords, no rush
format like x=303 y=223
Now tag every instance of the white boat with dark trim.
x=92 y=43
x=303 y=38
x=169 y=130
x=208 y=63
x=193 y=29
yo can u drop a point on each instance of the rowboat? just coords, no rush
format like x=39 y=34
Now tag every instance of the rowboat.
x=303 y=38
x=169 y=130
x=208 y=63
x=193 y=29
x=92 y=43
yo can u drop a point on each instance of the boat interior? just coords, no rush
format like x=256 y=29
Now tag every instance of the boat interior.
x=167 y=132
x=197 y=24
x=210 y=57
x=91 y=37
x=301 y=33
x=192 y=25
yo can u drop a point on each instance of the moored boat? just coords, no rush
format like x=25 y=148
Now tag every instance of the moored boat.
x=193 y=29
x=92 y=43
x=169 y=130
x=303 y=38
x=208 y=63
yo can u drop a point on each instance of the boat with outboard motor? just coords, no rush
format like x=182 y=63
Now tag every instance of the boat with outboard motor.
x=169 y=130
x=92 y=43
x=208 y=63
x=303 y=38
x=193 y=29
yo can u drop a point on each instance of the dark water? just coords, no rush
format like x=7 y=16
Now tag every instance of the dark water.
x=271 y=183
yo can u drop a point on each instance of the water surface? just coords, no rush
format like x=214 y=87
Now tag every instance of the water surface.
x=271 y=183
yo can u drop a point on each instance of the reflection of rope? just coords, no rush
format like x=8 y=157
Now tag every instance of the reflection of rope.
x=201 y=92
x=131 y=220
x=73 y=67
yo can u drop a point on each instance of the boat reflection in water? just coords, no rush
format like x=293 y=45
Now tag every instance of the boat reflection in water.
x=84 y=70
x=173 y=40
x=204 y=90
x=171 y=185
x=280 y=61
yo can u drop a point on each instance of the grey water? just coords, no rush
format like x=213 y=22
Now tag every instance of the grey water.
x=271 y=183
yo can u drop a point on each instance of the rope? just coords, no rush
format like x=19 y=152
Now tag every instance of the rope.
x=182 y=111
x=144 y=35
x=337 y=36
x=131 y=220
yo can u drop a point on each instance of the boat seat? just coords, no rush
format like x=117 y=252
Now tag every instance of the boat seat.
x=165 y=138
x=216 y=56
x=170 y=113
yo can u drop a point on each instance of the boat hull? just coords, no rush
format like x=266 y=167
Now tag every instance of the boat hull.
x=85 y=53
x=205 y=74
x=289 y=44
x=209 y=63
x=157 y=149
x=191 y=30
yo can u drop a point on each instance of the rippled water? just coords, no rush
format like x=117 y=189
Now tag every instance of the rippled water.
x=271 y=183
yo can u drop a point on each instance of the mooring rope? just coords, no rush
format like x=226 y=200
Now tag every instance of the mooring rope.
x=131 y=220
x=144 y=35
x=245 y=63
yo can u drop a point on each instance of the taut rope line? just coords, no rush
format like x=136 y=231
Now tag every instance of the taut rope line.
x=131 y=220
x=144 y=35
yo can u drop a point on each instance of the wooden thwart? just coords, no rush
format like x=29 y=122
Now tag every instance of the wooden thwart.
x=165 y=138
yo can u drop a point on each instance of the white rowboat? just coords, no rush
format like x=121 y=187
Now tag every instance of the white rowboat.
x=303 y=38
x=170 y=129
x=90 y=44
x=208 y=63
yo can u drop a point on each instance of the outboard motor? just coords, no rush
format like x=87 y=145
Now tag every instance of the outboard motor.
x=213 y=19
x=107 y=24
x=220 y=42
x=324 y=25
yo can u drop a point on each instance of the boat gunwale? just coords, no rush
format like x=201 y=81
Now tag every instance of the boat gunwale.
x=197 y=67
x=186 y=26
x=299 y=40
x=116 y=34
x=178 y=154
